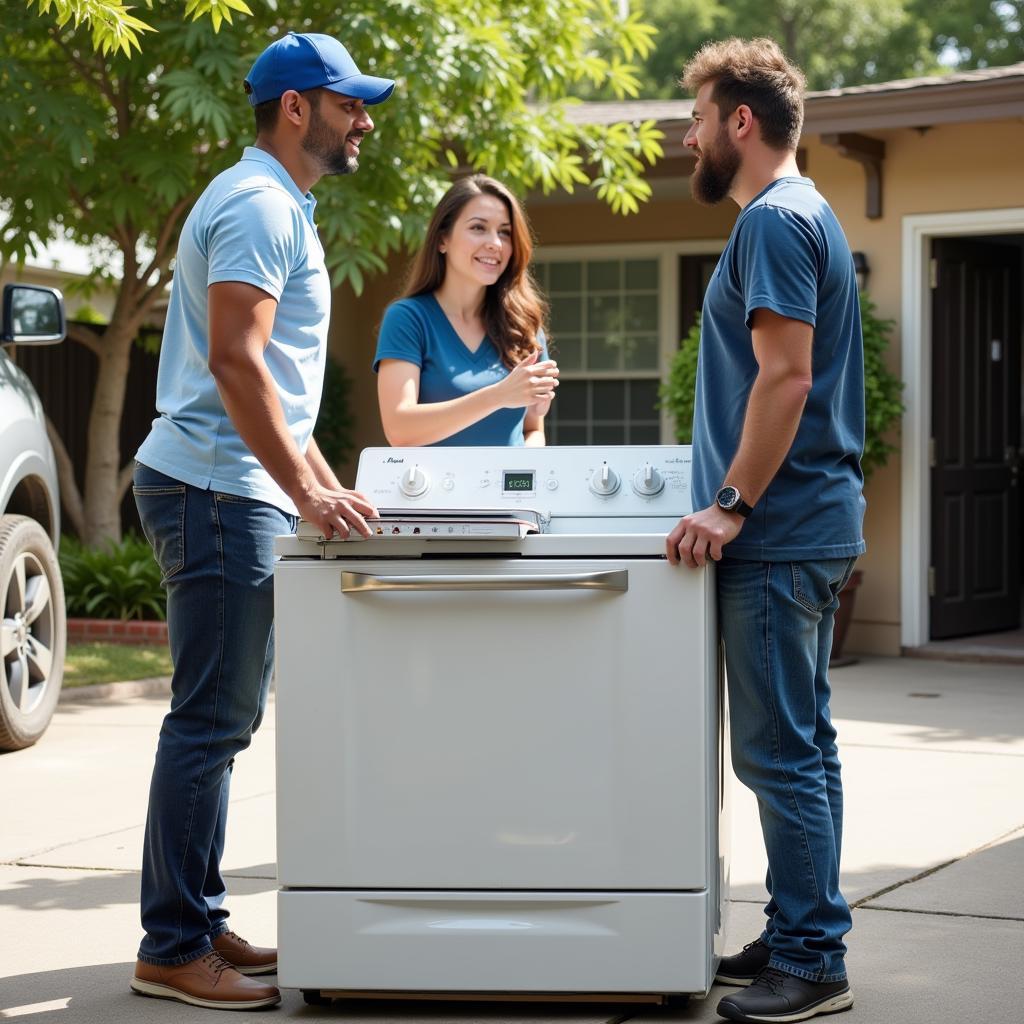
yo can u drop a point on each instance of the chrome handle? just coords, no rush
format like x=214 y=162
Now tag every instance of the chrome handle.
x=615 y=580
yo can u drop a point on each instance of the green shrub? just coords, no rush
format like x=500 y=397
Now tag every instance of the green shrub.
x=335 y=424
x=678 y=392
x=882 y=388
x=119 y=581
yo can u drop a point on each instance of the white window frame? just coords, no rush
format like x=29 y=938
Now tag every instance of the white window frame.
x=667 y=254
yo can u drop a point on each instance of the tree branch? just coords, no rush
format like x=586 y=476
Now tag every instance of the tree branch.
x=70 y=496
x=88 y=71
x=166 y=234
x=86 y=337
x=124 y=479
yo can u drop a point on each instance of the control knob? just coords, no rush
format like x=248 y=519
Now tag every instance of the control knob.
x=414 y=482
x=604 y=481
x=647 y=481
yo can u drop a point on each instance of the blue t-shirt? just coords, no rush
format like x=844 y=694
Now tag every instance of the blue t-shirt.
x=252 y=224
x=787 y=253
x=417 y=331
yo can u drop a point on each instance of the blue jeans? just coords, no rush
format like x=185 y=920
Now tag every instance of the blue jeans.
x=776 y=620
x=216 y=554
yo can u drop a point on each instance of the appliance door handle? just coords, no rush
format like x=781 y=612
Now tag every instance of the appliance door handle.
x=615 y=580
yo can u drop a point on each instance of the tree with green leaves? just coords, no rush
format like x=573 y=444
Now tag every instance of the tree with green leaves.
x=111 y=150
x=840 y=42
x=115 y=28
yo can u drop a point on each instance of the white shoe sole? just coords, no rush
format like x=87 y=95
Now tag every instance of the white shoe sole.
x=151 y=988
x=834 y=1004
x=250 y=971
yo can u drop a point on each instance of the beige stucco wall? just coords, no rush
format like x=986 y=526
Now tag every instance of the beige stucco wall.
x=945 y=169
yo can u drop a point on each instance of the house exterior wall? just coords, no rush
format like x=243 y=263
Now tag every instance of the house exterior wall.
x=943 y=169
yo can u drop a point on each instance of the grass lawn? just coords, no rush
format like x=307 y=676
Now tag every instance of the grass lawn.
x=113 y=663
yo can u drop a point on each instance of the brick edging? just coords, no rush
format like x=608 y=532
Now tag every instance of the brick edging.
x=116 y=631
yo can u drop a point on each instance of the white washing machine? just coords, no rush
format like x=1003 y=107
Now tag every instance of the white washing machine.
x=500 y=733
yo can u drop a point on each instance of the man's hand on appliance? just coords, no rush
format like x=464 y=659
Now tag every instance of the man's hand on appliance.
x=335 y=511
x=702 y=535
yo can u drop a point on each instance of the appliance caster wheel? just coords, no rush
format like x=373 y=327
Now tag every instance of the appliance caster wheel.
x=314 y=997
x=679 y=1001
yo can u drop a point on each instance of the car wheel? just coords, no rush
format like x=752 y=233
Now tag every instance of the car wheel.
x=32 y=632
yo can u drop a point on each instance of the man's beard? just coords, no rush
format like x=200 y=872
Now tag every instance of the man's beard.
x=716 y=170
x=326 y=146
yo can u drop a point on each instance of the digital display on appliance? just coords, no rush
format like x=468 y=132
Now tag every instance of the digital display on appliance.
x=514 y=482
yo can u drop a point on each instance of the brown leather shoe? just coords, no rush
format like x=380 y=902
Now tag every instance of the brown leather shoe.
x=209 y=981
x=244 y=956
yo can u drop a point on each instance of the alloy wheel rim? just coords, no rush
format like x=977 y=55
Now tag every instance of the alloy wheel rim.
x=26 y=632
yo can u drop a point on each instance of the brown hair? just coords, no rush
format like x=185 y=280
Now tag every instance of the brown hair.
x=513 y=312
x=757 y=73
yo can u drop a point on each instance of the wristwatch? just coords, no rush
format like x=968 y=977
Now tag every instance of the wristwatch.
x=729 y=499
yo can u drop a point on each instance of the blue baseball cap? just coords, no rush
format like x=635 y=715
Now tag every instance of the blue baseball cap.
x=310 y=60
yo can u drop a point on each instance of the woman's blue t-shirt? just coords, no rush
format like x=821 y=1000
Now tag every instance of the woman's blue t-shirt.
x=417 y=331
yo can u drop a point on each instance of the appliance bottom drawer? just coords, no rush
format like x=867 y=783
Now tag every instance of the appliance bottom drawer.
x=421 y=941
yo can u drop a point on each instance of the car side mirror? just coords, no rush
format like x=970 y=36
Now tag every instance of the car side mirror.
x=33 y=315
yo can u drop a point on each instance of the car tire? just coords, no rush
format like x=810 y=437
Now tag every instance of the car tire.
x=33 y=631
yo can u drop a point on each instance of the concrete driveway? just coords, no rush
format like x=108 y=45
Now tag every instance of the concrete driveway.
x=933 y=758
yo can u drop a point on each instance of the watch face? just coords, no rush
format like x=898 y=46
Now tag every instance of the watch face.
x=728 y=497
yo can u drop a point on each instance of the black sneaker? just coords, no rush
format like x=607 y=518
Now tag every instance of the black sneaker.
x=743 y=967
x=776 y=995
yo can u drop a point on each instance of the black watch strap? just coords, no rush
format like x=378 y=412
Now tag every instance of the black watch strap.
x=729 y=499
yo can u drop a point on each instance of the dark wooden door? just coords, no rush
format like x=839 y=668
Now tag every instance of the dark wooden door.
x=976 y=432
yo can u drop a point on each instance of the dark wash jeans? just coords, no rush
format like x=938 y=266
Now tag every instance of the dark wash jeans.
x=776 y=620
x=216 y=554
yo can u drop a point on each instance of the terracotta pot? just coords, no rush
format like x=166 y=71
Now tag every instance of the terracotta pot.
x=844 y=616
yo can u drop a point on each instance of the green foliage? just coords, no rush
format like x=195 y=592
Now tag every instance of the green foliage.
x=882 y=388
x=335 y=424
x=117 y=581
x=114 y=29
x=679 y=391
x=88 y=314
x=840 y=42
x=112 y=151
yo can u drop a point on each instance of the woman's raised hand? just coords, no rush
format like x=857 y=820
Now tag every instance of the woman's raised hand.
x=529 y=383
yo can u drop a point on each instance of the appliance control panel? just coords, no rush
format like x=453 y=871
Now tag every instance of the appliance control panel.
x=600 y=482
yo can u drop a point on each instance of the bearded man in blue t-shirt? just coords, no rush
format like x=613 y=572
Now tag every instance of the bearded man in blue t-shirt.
x=777 y=437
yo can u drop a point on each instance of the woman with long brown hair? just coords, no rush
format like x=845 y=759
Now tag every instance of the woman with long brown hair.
x=461 y=357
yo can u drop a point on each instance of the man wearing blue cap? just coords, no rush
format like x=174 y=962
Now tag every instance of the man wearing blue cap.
x=230 y=464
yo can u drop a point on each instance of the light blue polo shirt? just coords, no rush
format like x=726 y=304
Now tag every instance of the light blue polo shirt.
x=787 y=253
x=417 y=331
x=252 y=224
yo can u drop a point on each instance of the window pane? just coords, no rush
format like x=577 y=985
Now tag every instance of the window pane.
x=604 y=315
x=604 y=352
x=605 y=276
x=645 y=434
x=641 y=274
x=608 y=434
x=609 y=400
x=642 y=353
x=571 y=435
x=564 y=277
x=571 y=400
x=641 y=312
x=643 y=399
x=540 y=276
x=567 y=315
x=567 y=351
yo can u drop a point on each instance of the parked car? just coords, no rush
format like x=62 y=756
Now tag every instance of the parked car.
x=33 y=629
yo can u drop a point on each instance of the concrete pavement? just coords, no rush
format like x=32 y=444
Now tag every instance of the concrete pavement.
x=933 y=757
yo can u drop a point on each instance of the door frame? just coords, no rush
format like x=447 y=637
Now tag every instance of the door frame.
x=916 y=355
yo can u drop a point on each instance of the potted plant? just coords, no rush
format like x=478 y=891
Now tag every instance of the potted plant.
x=883 y=407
